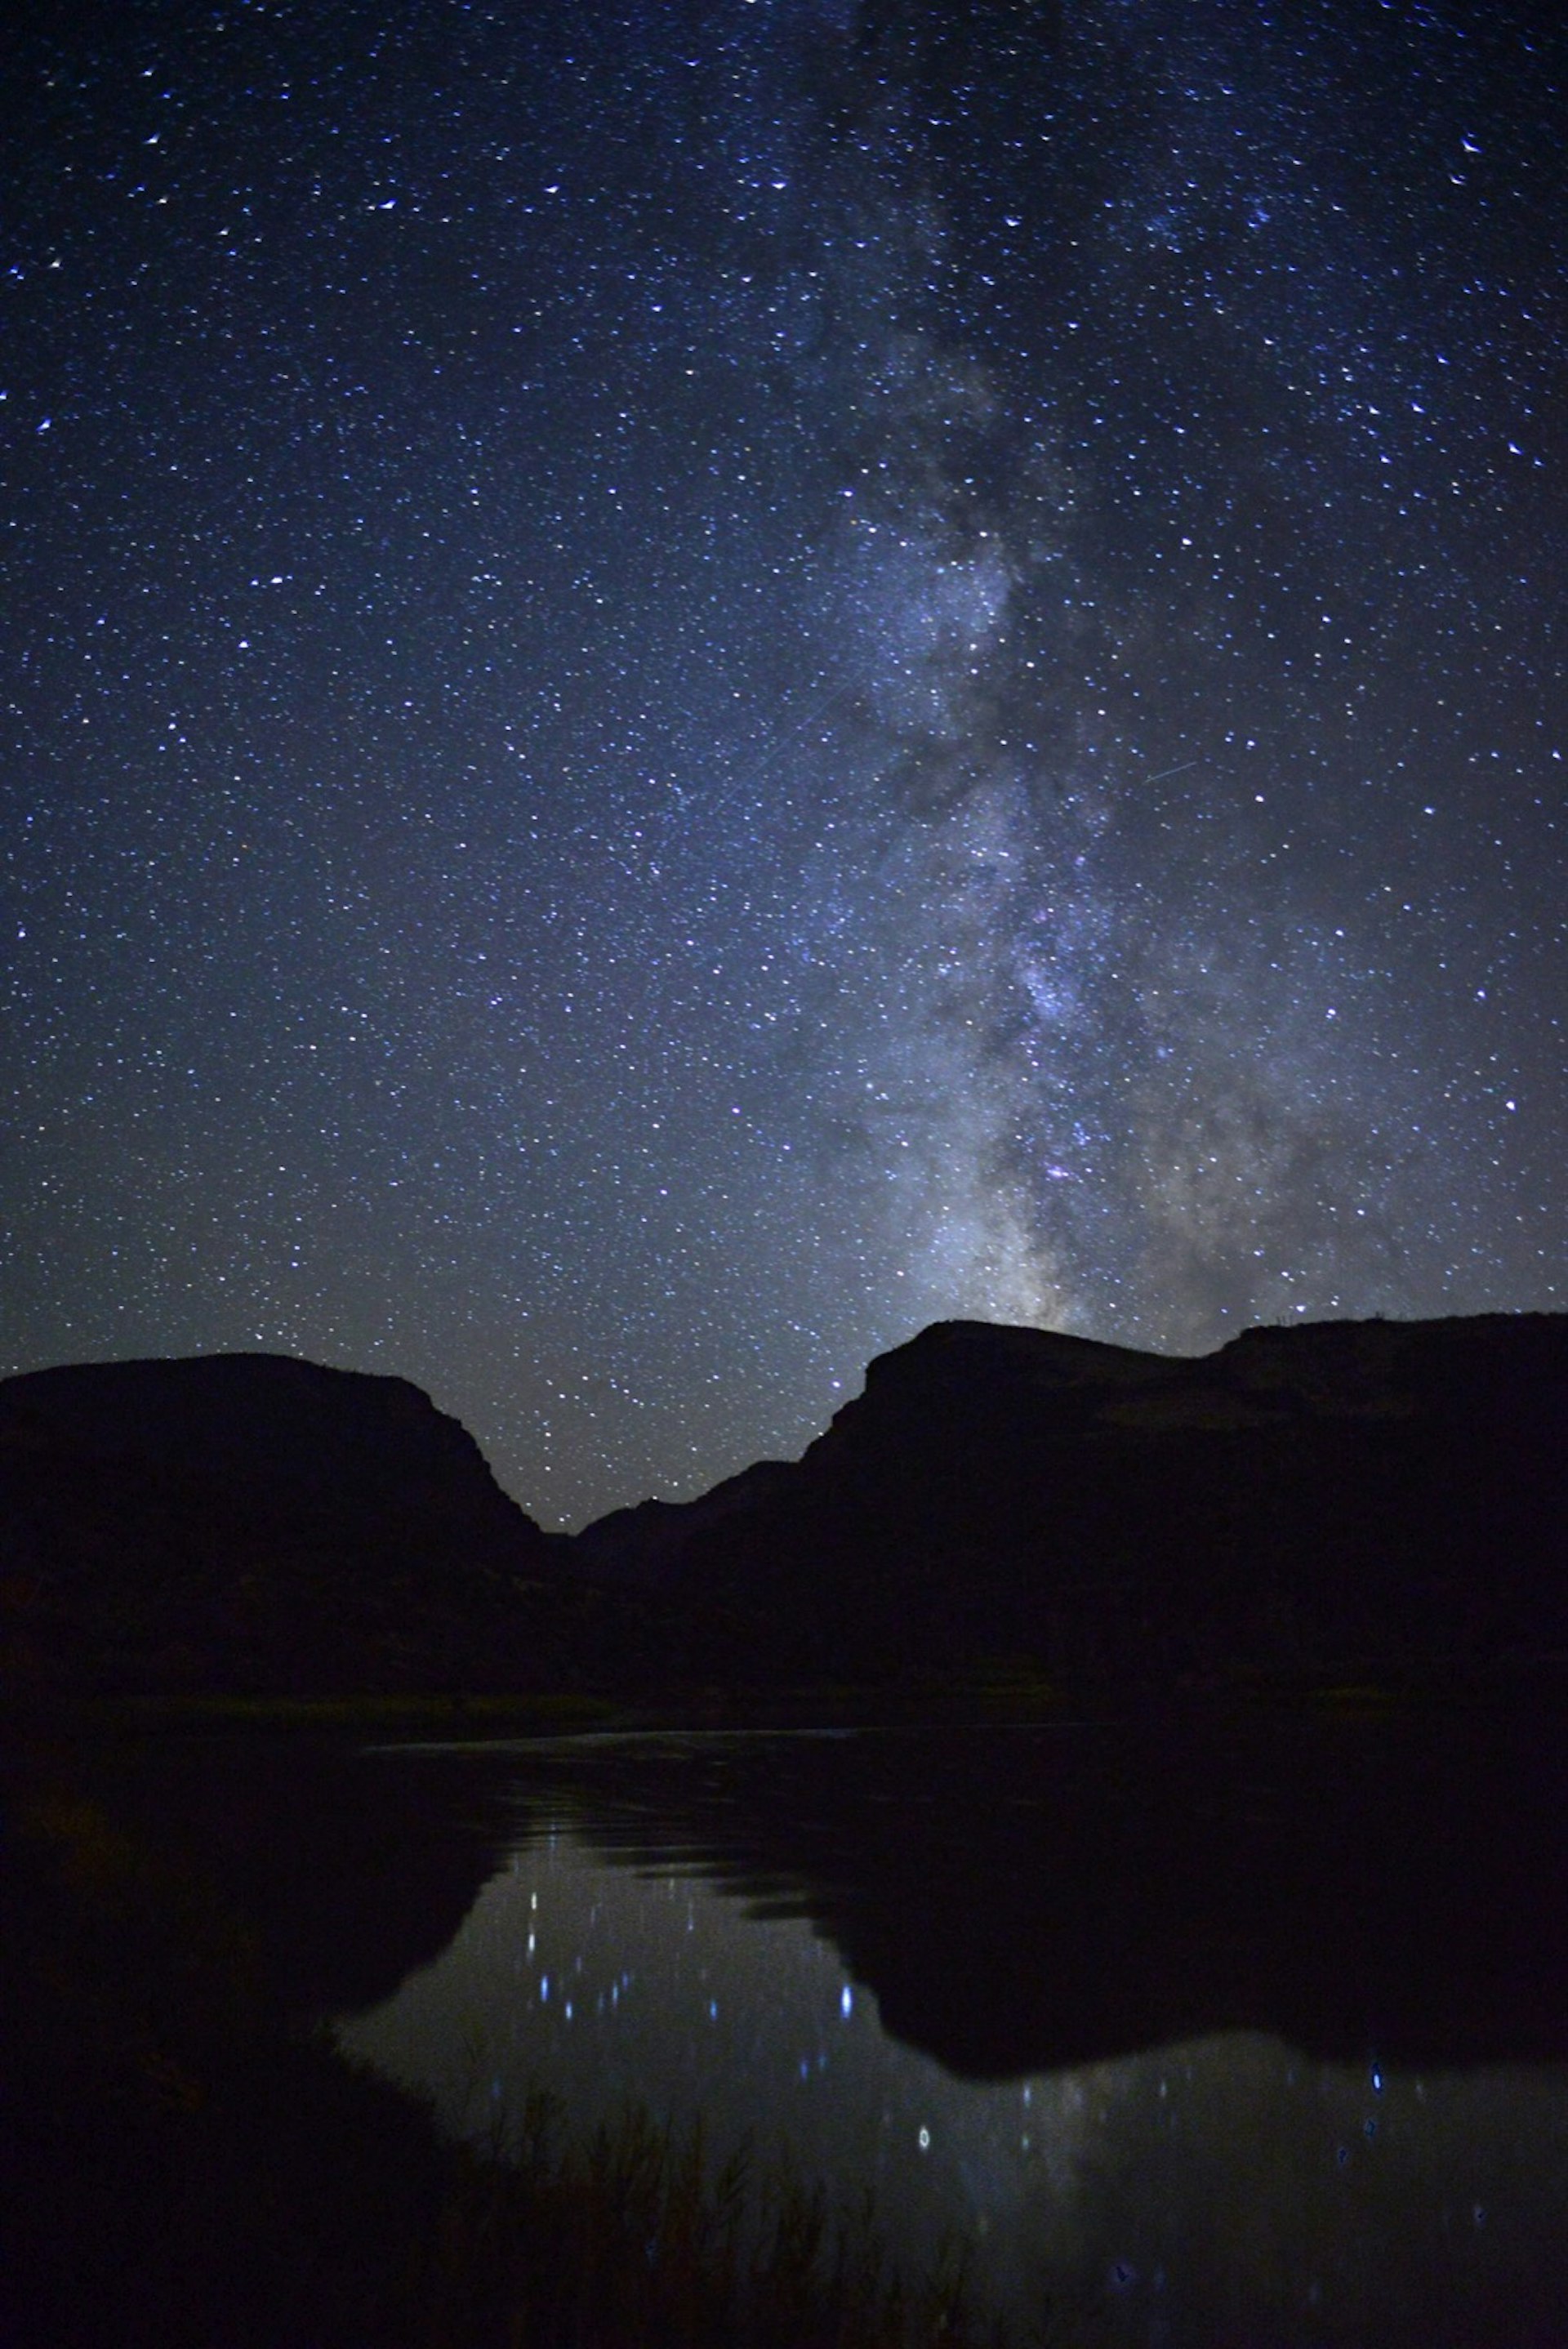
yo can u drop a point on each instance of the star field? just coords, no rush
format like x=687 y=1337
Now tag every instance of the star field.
x=683 y=687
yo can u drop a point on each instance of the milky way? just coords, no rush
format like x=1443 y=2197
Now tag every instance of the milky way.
x=685 y=687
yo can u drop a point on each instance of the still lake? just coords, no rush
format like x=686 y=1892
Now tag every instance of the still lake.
x=1191 y=2029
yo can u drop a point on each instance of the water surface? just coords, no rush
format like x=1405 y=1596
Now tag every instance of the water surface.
x=1190 y=2032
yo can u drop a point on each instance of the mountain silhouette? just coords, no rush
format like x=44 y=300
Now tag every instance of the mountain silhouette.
x=254 y=1522
x=1334 y=1497
x=1339 y=1499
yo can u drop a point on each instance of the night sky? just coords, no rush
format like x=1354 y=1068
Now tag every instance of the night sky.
x=687 y=685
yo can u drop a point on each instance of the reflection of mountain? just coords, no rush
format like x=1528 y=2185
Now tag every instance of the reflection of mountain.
x=349 y=1868
x=1018 y=1900
x=1332 y=1497
x=1023 y=1900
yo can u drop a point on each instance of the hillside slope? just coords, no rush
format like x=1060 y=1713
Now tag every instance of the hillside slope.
x=250 y=1523
x=1341 y=1497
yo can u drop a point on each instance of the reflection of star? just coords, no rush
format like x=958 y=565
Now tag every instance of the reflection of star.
x=1071 y=2171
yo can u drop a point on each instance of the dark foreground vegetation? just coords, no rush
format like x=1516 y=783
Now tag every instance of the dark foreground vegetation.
x=187 y=2165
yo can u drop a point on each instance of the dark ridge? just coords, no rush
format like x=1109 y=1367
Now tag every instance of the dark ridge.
x=1335 y=1498
x=288 y=1430
x=636 y=1542
x=249 y=1523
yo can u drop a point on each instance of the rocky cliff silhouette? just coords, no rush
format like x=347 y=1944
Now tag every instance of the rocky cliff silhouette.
x=1337 y=1497
x=1336 y=1500
x=250 y=1523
